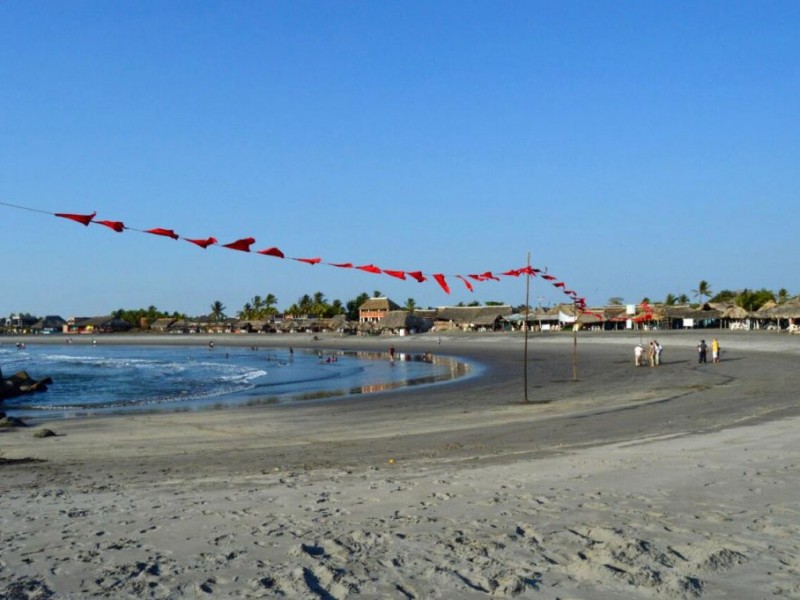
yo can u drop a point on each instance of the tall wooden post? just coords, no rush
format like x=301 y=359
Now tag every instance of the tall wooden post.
x=525 y=324
x=575 y=343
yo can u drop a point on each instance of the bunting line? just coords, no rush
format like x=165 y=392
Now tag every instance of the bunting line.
x=244 y=245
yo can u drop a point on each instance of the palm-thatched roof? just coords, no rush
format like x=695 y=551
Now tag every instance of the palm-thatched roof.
x=764 y=309
x=162 y=324
x=474 y=315
x=787 y=310
x=380 y=303
x=689 y=312
x=735 y=312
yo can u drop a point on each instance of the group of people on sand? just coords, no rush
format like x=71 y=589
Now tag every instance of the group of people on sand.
x=702 y=351
x=651 y=356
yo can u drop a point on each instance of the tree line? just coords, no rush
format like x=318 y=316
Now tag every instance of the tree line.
x=317 y=305
x=750 y=300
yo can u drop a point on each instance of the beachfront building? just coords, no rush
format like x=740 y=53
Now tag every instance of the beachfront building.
x=782 y=317
x=374 y=309
x=162 y=325
x=689 y=317
x=49 y=324
x=19 y=323
x=96 y=325
x=402 y=322
x=471 y=318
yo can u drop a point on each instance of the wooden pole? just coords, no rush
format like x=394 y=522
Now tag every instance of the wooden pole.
x=525 y=324
x=575 y=343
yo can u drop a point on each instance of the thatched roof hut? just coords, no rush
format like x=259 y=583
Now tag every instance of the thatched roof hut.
x=471 y=317
x=787 y=310
x=734 y=312
x=162 y=325
x=397 y=320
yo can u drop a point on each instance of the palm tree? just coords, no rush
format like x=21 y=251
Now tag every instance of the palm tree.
x=257 y=305
x=217 y=310
x=783 y=295
x=152 y=313
x=335 y=308
x=352 y=306
x=247 y=312
x=304 y=304
x=683 y=299
x=703 y=290
x=670 y=300
x=269 y=304
x=411 y=305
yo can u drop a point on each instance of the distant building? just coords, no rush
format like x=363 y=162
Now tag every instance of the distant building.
x=374 y=309
x=471 y=318
x=94 y=325
x=49 y=324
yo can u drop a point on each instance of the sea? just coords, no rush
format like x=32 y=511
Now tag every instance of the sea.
x=117 y=379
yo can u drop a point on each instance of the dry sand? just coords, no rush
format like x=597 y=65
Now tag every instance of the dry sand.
x=674 y=482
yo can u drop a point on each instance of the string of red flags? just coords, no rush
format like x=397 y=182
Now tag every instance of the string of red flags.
x=245 y=245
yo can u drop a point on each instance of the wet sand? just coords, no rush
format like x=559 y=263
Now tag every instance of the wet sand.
x=676 y=481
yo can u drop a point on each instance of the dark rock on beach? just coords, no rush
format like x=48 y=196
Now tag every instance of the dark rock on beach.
x=12 y=422
x=22 y=383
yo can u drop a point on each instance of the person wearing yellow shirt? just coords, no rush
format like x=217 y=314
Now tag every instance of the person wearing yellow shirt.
x=715 y=350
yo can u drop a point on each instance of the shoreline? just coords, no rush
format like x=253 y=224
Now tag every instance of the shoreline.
x=676 y=481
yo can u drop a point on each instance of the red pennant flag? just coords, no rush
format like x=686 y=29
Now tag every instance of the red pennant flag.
x=417 y=275
x=82 y=219
x=165 y=232
x=272 y=252
x=466 y=283
x=441 y=281
x=548 y=277
x=342 y=265
x=117 y=226
x=478 y=277
x=370 y=269
x=202 y=243
x=310 y=261
x=398 y=274
x=559 y=284
x=530 y=271
x=243 y=245
x=513 y=272
x=489 y=275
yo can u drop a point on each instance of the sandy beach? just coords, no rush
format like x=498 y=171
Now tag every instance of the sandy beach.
x=681 y=481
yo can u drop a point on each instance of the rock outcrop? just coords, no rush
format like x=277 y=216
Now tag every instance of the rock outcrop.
x=21 y=383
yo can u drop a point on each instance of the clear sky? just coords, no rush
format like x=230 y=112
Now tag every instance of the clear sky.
x=633 y=148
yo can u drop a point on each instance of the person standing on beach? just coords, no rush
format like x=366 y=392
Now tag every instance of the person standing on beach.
x=659 y=350
x=702 y=351
x=391 y=353
x=715 y=350
x=637 y=355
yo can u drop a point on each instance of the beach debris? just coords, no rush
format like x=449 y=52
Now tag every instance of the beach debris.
x=44 y=433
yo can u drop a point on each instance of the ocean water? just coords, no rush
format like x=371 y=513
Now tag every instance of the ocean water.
x=106 y=379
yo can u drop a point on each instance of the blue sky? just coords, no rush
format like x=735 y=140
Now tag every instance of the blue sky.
x=632 y=148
